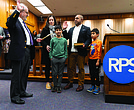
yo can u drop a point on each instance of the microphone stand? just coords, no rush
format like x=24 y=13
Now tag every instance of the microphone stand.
x=112 y=29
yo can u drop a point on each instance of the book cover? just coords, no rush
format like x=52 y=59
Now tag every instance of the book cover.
x=76 y=45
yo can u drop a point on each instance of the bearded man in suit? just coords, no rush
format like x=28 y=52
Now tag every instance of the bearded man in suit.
x=77 y=34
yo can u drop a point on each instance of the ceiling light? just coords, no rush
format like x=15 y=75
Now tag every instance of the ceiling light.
x=38 y=4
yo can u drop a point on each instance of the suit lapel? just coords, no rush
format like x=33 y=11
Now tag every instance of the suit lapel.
x=80 y=30
x=21 y=28
x=80 y=33
x=72 y=30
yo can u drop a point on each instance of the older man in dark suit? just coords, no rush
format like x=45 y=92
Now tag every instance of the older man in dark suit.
x=20 y=51
x=77 y=34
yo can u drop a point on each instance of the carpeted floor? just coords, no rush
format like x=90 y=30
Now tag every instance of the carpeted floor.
x=67 y=100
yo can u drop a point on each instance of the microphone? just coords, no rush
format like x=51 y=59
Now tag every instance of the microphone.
x=112 y=29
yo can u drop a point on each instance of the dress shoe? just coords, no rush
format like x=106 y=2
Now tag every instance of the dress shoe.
x=68 y=86
x=18 y=101
x=58 y=89
x=80 y=88
x=54 y=89
x=26 y=95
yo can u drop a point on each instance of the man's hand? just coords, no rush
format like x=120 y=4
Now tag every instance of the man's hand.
x=65 y=25
x=83 y=45
x=19 y=7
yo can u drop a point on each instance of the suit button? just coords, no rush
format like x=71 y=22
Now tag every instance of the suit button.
x=25 y=47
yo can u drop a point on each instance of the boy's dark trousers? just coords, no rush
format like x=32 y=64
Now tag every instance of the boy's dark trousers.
x=94 y=71
x=57 y=69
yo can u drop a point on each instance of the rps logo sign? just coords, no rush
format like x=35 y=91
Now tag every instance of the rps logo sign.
x=118 y=64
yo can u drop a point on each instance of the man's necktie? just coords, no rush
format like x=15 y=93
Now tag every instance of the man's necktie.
x=31 y=40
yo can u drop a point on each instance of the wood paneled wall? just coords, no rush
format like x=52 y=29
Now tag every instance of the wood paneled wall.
x=33 y=23
x=42 y=24
x=6 y=10
x=91 y=17
x=4 y=7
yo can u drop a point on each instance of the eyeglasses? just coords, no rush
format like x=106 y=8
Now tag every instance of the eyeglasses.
x=76 y=18
x=25 y=12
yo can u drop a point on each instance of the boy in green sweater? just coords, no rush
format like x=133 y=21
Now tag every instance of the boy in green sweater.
x=58 y=56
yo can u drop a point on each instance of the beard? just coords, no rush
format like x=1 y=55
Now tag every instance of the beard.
x=77 y=23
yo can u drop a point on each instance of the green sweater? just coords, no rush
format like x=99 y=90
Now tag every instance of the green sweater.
x=58 y=48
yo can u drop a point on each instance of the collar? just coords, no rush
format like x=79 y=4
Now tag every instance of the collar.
x=79 y=26
x=20 y=20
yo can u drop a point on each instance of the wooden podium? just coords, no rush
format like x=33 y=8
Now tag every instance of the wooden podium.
x=37 y=61
x=115 y=92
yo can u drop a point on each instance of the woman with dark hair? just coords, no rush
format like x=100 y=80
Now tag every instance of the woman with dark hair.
x=48 y=29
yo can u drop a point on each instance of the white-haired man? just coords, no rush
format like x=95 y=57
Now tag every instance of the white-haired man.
x=20 y=52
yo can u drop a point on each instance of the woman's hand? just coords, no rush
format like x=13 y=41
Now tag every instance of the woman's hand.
x=38 y=39
x=48 y=48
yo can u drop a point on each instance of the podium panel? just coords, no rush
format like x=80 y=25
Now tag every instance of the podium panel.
x=115 y=92
x=37 y=61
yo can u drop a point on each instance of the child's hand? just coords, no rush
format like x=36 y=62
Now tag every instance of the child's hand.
x=97 y=63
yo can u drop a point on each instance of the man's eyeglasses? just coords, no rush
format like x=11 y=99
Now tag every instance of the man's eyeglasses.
x=76 y=18
x=25 y=12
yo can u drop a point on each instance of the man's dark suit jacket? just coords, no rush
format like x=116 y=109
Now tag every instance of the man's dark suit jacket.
x=18 y=38
x=84 y=37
